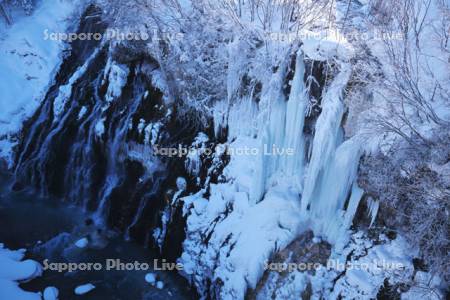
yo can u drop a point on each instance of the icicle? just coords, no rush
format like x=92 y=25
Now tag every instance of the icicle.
x=334 y=188
x=353 y=203
x=242 y=119
x=117 y=79
x=276 y=134
x=220 y=117
x=295 y=119
x=259 y=184
x=326 y=136
x=374 y=205
x=271 y=133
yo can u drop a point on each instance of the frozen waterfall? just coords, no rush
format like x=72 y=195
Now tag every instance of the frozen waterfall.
x=326 y=181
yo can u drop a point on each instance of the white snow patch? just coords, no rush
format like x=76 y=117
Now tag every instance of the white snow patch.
x=28 y=62
x=12 y=270
x=82 y=112
x=84 y=289
x=81 y=243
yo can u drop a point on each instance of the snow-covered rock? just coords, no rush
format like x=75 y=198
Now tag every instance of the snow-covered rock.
x=84 y=289
x=150 y=278
x=28 y=60
x=159 y=285
x=181 y=184
x=51 y=293
x=82 y=243
x=12 y=270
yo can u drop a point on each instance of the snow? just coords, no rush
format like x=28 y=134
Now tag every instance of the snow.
x=12 y=270
x=84 y=289
x=292 y=287
x=51 y=293
x=82 y=243
x=65 y=91
x=82 y=112
x=356 y=272
x=326 y=45
x=181 y=184
x=100 y=127
x=160 y=285
x=391 y=260
x=150 y=278
x=197 y=149
x=317 y=239
x=427 y=65
x=269 y=224
x=426 y=287
x=265 y=201
x=374 y=205
x=28 y=63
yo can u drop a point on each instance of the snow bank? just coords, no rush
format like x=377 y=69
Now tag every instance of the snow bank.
x=150 y=278
x=241 y=240
x=12 y=270
x=51 y=293
x=84 y=289
x=27 y=63
x=392 y=260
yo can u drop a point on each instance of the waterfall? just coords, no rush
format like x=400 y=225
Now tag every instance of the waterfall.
x=84 y=143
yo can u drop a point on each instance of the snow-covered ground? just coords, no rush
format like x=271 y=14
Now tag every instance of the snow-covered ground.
x=28 y=62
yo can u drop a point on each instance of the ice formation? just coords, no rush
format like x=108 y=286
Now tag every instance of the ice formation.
x=84 y=289
x=12 y=270
x=269 y=199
